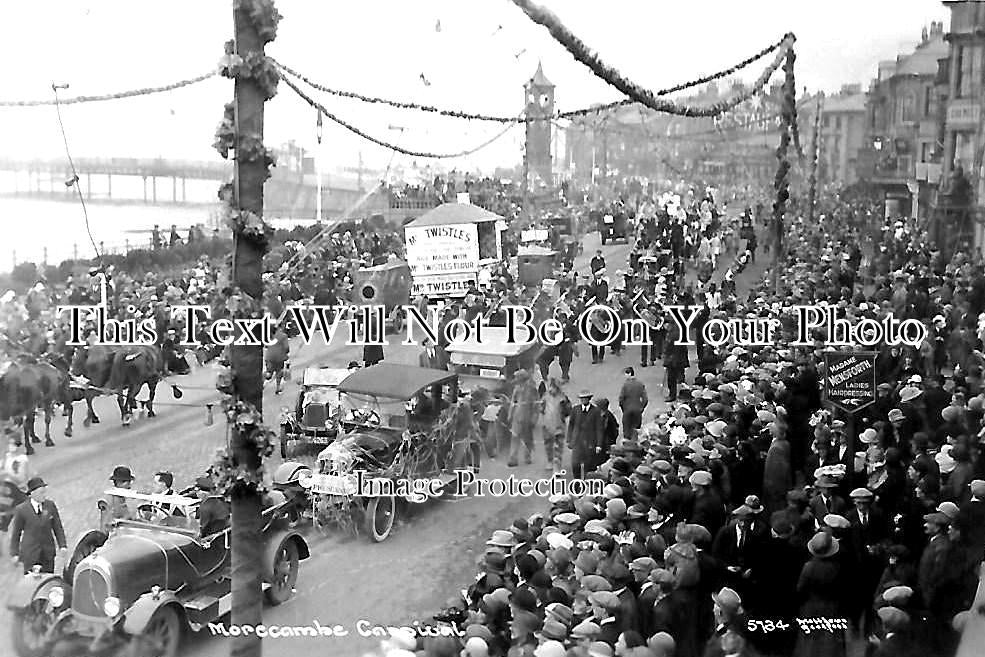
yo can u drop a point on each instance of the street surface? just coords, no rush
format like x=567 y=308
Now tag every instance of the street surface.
x=431 y=555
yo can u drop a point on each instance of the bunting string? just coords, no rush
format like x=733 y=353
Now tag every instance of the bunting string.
x=633 y=91
x=512 y=119
x=114 y=96
x=385 y=144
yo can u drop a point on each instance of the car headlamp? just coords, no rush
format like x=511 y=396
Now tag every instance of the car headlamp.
x=111 y=607
x=56 y=597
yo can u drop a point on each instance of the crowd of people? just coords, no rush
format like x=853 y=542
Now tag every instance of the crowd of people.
x=747 y=518
x=750 y=517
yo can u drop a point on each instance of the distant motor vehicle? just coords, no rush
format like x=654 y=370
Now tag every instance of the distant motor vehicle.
x=613 y=226
x=314 y=420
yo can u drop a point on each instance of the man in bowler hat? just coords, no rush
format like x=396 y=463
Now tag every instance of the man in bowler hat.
x=35 y=529
x=584 y=437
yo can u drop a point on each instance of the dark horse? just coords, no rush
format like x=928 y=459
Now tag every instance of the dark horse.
x=24 y=388
x=123 y=370
x=72 y=392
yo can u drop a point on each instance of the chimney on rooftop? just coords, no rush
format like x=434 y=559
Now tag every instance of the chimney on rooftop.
x=923 y=34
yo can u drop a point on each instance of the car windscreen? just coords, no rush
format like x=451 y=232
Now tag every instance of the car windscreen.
x=372 y=411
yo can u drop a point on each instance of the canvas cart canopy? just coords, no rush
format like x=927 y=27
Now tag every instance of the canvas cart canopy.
x=393 y=381
x=454 y=213
x=493 y=346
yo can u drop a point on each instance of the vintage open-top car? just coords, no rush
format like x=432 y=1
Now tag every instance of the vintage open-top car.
x=400 y=424
x=143 y=583
x=315 y=417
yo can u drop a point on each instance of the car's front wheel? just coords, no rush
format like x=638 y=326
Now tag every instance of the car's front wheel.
x=30 y=629
x=380 y=515
x=162 y=635
x=285 y=574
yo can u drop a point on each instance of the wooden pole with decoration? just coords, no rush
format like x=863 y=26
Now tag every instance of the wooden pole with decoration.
x=781 y=181
x=239 y=470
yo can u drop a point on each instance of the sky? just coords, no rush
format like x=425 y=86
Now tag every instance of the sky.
x=474 y=54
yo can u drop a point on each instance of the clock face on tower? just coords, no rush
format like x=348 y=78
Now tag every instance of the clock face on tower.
x=544 y=100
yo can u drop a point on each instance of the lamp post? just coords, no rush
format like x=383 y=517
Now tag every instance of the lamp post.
x=318 y=136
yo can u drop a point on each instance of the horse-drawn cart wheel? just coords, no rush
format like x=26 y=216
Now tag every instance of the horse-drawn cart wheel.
x=379 y=518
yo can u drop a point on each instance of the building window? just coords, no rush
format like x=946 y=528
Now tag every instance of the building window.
x=970 y=73
x=907 y=107
x=926 y=151
x=928 y=101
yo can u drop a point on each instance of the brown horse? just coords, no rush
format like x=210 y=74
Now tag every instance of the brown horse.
x=123 y=370
x=24 y=388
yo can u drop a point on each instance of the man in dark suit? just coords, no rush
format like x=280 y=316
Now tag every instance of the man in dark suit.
x=736 y=546
x=708 y=510
x=930 y=575
x=584 y=437
x=35 y=529
x=598 y=289
x=870 y=531
x=675 y=360
x=428 y=358
x=971 y=519
x=632 y=401
x=826 y=501
x=598 y=261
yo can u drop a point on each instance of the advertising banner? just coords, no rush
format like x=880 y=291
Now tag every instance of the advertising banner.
x=443 y=285
x=850 y=379
x=438 y=250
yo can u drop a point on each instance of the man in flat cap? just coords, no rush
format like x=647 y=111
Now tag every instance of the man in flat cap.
x=736 y=546
x=931 y=575
x=584 y=437
x=895 y=641
x=708 y=509
x=869 y=531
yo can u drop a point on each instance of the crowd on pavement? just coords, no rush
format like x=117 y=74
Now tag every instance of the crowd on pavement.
x=750 y=517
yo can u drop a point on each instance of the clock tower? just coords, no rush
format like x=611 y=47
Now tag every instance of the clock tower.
x=539 y=104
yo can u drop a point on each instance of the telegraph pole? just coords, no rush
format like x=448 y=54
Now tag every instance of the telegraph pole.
x=247 y=361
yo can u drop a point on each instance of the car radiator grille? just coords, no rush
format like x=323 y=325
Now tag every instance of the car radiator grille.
x=89 y=592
